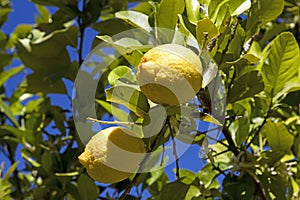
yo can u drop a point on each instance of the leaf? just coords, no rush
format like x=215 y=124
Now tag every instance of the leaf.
x=49 y=59
x=154 y=121
x=261 y=12
x=10 y=170
x=121 y=73
x=245 y=86
x=87 y=188
x=114 y=110
x=175 y=191
x=241 y=126
x=244 y=60
x=242 y=7
x=235 y=187
x=130 y=48
x=281 y=64
x=192 y=9
x=278 y=136
x=168 y=10
x=5 y=189
x=133 y=99
x=6 y=109
x=206 y=26
x=135 y=18
x=45 y=15
x=4 y=76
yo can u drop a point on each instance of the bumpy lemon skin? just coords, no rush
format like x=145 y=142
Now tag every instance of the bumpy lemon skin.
x=98 y=154
x=170 y=74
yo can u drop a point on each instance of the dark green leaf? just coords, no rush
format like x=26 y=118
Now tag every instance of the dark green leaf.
x=174 y=191
x=241 y=188
x=87 y=188
x=246 y=86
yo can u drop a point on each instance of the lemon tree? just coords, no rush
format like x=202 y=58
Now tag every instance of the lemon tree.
x=159 y=84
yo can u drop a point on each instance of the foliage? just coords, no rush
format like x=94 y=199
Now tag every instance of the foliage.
x=256 y=46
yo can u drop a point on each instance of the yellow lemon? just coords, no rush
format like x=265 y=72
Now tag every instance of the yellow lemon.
x=170 y=74
x=113 y=154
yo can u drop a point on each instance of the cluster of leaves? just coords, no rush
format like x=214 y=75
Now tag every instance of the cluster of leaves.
x=255 y=46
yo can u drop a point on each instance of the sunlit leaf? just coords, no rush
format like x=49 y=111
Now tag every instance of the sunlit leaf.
x=206 y=26
x=137 y=19
x=281 y=64
x=6 y=109
x=261 y=12
x=133 y=99
x=4 y=76
x=278 y=136
x=167 y=13
x=121 y=73
x=192 y=9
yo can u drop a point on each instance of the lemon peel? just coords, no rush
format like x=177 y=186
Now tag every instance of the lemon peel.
x=170 y=74
x=109 y=151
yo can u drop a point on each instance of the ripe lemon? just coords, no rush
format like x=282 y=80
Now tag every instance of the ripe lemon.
x=170 y=74
x=112 y=154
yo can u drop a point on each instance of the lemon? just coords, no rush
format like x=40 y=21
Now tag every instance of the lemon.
x=170 y=74
x=112 y=154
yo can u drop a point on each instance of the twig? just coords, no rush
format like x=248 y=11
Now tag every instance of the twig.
x=261 y=126
x=174 y=150
x=203 y=43
x=233 y=30
x=131 y=184
x=81 y=25
x=230 y=141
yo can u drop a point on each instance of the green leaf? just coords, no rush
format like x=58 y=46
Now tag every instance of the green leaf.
x=123 y=73
x=4 y=76
x=245 y=86
x=49 y=59
x=167 y=14
x=154 y=121
x=135 y=18
x=278 y=136
x=207 y=175
x=240 y=127
x=245 y=60
x=193 y=10
x=114 y=110
x=261 y=12
x=87 y=188
x=206 y=26
x=44 y=13
x=6 y=109
x=130 y=48
x=281 y=64
x=11 y=169
x=133 y=99
x=5 y=189
x=241 y=188
x=174 y=191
